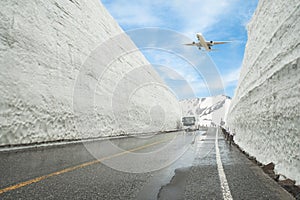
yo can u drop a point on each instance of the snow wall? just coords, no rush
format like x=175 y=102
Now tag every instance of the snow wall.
x=265 y=110
x=54 y=86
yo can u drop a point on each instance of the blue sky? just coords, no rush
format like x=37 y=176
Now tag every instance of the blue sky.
x=215 y=19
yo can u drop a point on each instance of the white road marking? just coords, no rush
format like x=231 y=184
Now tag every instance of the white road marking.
x=224 y=184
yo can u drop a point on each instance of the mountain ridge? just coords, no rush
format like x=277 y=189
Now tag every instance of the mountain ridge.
x=208 y=110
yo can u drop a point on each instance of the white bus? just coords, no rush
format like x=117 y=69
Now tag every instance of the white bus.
x=189 y=123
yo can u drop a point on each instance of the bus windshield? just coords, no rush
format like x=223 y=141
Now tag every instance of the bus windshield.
x=188 y=121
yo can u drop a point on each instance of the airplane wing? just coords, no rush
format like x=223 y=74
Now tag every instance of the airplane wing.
x=191 y=44
x=220 y=42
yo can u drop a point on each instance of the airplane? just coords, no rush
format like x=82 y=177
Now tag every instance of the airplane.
x=205 y=44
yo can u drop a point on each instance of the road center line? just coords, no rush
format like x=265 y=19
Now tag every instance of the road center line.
x=25 y=183
x=223 y=181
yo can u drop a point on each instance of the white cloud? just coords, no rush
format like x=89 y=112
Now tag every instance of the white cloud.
x=133 y=14
x=169 y=73
x=173 y=64
x=200 y=15
x=185 y=16
x=232 y=77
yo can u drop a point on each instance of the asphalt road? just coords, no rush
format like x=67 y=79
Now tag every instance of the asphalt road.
x=177 y=165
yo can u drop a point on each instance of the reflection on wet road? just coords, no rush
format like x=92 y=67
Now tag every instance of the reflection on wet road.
x=176 y=165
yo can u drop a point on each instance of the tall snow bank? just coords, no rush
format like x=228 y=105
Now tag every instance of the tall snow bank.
x=265 y=110
x=44 y=45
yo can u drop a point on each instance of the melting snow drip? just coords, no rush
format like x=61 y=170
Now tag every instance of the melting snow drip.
x=224 y=184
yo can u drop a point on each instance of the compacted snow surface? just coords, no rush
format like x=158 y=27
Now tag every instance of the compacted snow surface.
x=265 y=110
x=54 y=85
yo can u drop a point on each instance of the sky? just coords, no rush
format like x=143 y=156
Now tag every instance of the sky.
x=160 y=28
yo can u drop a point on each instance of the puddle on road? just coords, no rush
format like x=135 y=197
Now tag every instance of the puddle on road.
x=173 y=176
x=175 y=189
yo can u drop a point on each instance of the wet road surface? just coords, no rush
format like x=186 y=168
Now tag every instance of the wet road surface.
x=175 y=165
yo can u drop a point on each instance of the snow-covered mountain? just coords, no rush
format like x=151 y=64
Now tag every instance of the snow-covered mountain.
x=265 y=110
x=68 y=71
x=209 y=110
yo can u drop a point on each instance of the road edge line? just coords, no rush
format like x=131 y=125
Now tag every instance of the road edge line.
x=223 y=181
